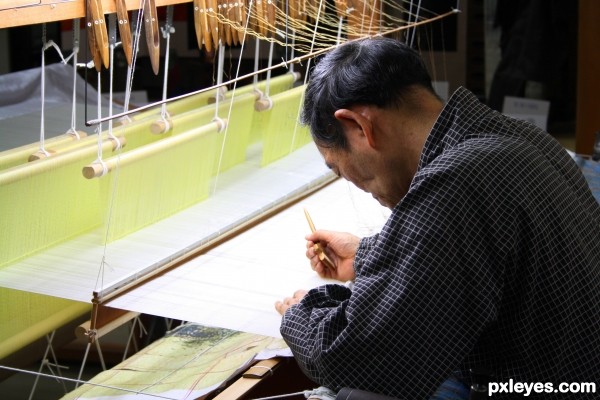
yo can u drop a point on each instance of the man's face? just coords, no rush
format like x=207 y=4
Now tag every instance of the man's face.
x=368 y=171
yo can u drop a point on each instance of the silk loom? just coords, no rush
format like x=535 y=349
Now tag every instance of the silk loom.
x=93 y=223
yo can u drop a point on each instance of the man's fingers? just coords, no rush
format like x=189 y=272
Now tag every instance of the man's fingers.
x=299 y=294
x=282 y=306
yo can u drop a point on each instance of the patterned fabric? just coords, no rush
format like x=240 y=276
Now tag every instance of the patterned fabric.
x=491 y=260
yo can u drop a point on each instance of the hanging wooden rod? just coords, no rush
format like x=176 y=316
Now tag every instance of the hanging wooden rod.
x=29 y=12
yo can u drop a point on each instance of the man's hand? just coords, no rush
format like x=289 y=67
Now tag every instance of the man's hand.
x=339 y=247
x=282 y=306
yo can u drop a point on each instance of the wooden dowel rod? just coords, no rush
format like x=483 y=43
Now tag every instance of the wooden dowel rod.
x=96 y=170
x=24 y=171
x=21 y=154
x=77 y=144
x=252 y=377
x=82 y=331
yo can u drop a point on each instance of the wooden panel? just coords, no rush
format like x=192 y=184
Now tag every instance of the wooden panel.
x=28 y=12
x=588 y=79
x=6 y=4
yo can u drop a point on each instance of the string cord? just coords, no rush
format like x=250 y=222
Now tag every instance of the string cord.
x=99 y=160
x=72 y=130
x=321 y=5
x=79 y=381
x=167 y=30
x=46 y=44
x=43 y=91
x=113 y=41
x=137 y=30
x=414 y=31
x=282 y=64
x=215 y=182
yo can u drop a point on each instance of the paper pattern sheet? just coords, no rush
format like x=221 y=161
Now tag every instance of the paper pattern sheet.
x=189 y=363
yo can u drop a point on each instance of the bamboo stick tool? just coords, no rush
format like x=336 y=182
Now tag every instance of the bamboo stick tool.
x=317 y=247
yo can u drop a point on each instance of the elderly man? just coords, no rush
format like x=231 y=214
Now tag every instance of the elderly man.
x=490 y=258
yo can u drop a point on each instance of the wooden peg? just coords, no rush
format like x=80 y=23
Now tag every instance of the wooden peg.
x=260 y=16
x=233 y=16
x=124 y=29
x=364 y=17
x=201 y=26
x=341 y=7
x=152 y=34
x=271 y=8
x=213 y=22
x=161 y=126
x=263 y=104
x=97 y=35
x=38 y=155
x=294 y=9
x=302 y=12
x=224 y=28
x=94 y=52
x=312 y=7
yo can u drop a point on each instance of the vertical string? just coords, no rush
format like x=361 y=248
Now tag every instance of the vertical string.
x=408 y=21
x=167 y=30
x=99 y=126
x=112 y=38
x=362 y=22
x=339 y=34
x=414 y=30
x=256 y=55
x=232 y=96
x=312 y=44
x=270 y=64
x=72 y=131
x=43 y=92
x=137 y=28
x=137 y=34
x=292 y=50
x=220 y=62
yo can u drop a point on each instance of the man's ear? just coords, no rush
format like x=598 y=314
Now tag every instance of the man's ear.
x=355 y=123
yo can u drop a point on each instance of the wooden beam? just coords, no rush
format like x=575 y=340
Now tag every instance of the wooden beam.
x=588 y=78
x=252 y=377
x=29 y=12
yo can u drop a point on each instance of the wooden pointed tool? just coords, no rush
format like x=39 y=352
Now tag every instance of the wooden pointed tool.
x=213 y=21
x=224 y=28
x=271 y=8
x=317 y=247
x=341 y=7
x=97 y=35
x=124 y=29
x=242 y=17
x=201 y=26
x=260 y=8
x=152 y=34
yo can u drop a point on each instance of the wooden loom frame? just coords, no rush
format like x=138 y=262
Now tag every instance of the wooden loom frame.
x=15 y=13
x=44 y=11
